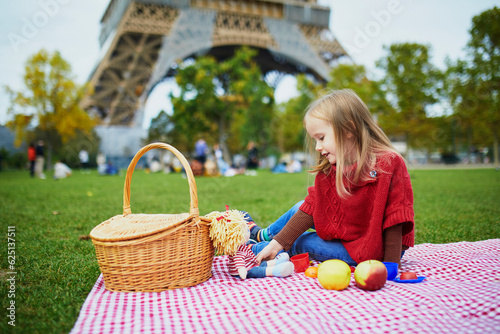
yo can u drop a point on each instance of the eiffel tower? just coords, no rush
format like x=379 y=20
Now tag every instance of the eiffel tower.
x=142 y=41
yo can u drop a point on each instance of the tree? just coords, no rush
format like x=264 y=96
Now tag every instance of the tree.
x=290 y=130
x=473 y=84
x=222 y=100
x=48 y=105
x=412 y=85
x=161 y=130
x=354 y=77
x=258 y=116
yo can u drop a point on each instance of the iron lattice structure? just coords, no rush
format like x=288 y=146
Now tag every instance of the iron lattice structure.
x=142 y=41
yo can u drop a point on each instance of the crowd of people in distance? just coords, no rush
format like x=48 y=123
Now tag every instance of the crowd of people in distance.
x=213 y=163
x=36 y=163
x=206 y=162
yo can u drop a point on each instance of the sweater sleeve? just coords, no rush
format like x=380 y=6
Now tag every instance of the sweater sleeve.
x=308 y=205
x=400 y=201
x=392 y=243
x=298 y=224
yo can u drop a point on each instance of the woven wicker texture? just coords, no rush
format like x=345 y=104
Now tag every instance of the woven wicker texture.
x=154 y=252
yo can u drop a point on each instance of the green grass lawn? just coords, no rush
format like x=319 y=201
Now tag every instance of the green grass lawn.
x=56 y=269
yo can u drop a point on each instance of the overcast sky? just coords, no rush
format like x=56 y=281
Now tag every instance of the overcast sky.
x=363 y=27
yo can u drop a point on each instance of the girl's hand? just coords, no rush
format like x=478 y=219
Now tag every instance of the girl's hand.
x=269 y=252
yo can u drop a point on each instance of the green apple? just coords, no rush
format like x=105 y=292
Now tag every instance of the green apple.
x=370 y=275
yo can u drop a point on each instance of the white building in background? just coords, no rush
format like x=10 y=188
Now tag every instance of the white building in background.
x=121 y=141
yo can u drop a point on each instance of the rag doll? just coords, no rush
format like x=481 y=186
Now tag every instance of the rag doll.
x=230 y=234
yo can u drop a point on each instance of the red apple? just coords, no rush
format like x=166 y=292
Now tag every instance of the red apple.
x=408 y=275
x=370 y=275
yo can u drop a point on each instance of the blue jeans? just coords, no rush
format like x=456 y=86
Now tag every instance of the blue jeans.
x=308 y=242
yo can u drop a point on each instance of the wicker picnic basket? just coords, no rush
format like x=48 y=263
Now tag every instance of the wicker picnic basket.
x=154 y=252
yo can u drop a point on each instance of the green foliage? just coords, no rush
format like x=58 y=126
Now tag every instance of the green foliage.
x=161 y=128
x=12 y=160
x=290 y=133
x=226 y=102
x=484 y=45
x=68 y=153
x=411 y=83
x=354 y=77
x=56 y=269
x=473 y=84
x=197 y=109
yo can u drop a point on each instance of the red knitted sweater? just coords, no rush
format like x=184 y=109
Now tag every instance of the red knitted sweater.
x=385 y=200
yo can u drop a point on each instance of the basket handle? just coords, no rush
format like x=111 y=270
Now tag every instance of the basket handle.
x=193 y=210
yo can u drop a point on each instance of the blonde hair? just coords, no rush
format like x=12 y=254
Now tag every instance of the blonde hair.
x=348 y=114
x=228 y=230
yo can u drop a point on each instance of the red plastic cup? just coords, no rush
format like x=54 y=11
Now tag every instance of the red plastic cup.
x=301 y=262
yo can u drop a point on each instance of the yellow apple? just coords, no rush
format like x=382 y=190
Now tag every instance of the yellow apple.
x=370 y=275
x=334 y=275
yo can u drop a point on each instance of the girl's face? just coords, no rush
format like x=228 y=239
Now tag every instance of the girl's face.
x=322 y=133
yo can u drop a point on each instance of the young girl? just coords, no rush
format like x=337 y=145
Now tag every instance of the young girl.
x=361 y=204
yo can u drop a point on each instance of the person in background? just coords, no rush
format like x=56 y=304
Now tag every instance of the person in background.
x=219 y=157
x=201 y=150
x=61 y=170
x=40 y=159
x=253 y=156
x=84 y=160
x=111 y=169
x=167 y=162
x=294 y=166
x=32 y=158
x=101 y=163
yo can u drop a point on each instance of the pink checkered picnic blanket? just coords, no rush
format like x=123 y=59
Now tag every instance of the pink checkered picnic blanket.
x=460 y=295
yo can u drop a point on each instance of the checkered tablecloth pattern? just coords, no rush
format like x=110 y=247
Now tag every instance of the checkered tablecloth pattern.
x=461 y=295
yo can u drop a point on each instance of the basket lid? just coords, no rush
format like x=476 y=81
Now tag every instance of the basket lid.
x=133 y=226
